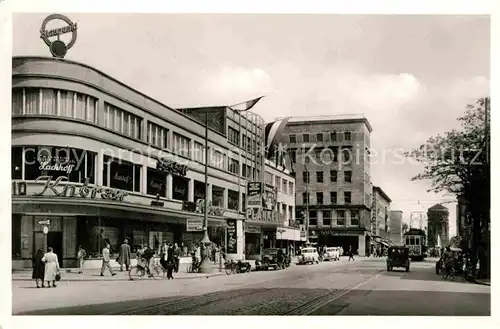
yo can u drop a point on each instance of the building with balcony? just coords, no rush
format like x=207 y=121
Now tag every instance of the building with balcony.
x=330 y=156
x=96 y=161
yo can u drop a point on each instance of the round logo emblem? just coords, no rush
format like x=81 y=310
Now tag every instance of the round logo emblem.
x=45 y=230
x=57 y=47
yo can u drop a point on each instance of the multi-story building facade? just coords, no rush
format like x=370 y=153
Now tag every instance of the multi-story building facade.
x=396 y=227
x=438 y=226
x=95 y=161
x=332 y=171
x=381 y=209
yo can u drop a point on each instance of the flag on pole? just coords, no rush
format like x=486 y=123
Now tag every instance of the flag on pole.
x=245 y=106
x=273 y=133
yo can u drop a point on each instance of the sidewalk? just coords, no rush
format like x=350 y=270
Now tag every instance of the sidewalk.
x=71 y=274
x=484 y=282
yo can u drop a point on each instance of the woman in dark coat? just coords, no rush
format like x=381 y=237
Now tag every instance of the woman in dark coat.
x=38 y=268
x=170 y=262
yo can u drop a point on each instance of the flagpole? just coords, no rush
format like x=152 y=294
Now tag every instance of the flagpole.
x=307 y=203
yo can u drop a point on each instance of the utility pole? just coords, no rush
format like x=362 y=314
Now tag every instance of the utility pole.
x=307 y=203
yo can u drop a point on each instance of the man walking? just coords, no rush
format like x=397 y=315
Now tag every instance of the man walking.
x=351 y=254
x=124 y=255
x=177 y=255
x=105 y=261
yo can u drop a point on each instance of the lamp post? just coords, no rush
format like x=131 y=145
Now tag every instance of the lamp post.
x=205 y=266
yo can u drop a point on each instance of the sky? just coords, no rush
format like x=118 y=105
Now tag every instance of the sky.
x=411 y=76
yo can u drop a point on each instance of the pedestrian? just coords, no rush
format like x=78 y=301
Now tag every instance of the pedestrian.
x=148 y=255
x=213 y=251
x=351 y=254
x=177 y=257
x=170 y=262
x=105 y=261
x=124 y=255
x=38 y=268
x=81 y=258
x=51 y=267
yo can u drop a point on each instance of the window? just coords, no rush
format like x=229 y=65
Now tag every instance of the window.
x=319 y=197
x=122 y=122
x=232 y=200
x=17 y=101
x=121 y=174
x=347 y=197
x=157 y=182
x=249 y=144
x=347 y=135
x=290 y=188
x=305 y=198
x=234 y=166
x=198 y=152
x=327 y=217
x=346 y=155
x=347 y=176
x=305 y=177
x=268 y=178
x=318 y=155
x=340 y=217
x=49 y=103
x=32 y=101
x=293 y=138
x=243 y=202
x=284 y=185
x=157 y=136
x=277 y=182
x=319 y=176
x=293 y=156
x=313 y=217
x=217 y=159
x=354 y=218
x=319 y=137
x=243 y=142
x=333 y=136
x=333 y=197
x=17 y=162
x=333 y=175
x=305 y=138
x=218 y=196
x=180 y=187
x=233 y=136
x=181 y=145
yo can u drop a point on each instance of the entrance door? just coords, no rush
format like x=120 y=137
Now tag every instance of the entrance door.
x=54 y=240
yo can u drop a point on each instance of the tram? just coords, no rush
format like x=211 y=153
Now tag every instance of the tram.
x=416 y=240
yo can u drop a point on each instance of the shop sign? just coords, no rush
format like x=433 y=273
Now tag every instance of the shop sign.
x=44 y=222
x=254 y=195
x=70 y=189
x=337 y=233
x=157 y=202
x=231 y=236
x=212 y=210
x=252 y=229
x=171 y=167
x=57 y=47
x=194 y=225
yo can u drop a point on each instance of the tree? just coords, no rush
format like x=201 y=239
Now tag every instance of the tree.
x=457 y=163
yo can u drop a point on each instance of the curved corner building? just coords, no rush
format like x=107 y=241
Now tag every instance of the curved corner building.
x=86 y=153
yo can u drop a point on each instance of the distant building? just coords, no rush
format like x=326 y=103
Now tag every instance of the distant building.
x=331 y=162
x=438 y=226
x=381 y=209
x=396 y=226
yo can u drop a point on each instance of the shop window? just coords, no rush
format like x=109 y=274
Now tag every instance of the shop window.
x=122 y=174
x=180 y=188
x=75 y=164
x=217 y=196
x=17 y=162
x=232 y=200
x=94 y=232
x=340 y=217
x=199 y=190
x=157 y=182
x=16 y=236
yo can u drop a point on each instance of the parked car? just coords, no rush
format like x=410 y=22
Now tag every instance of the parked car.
x=309 y=255
x=271 y=258
x=332 y=253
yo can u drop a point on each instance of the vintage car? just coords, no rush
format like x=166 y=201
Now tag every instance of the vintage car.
x=398 y=256
x=332 y=253
x=309 y=255
x=271 y=258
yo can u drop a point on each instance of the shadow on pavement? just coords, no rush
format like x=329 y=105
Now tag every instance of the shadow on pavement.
x=282 y=301
x=422 y=276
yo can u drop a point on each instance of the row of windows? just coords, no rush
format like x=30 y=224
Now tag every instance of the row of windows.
x=333 y=198
x=281 y=184
x=340 y=217
x=43 y=101
x=329 y=154
x=306 y=176
x=334 y=137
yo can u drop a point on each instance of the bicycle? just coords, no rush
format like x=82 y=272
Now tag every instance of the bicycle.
x=194 y=267
x=139 y=272
x=230 y=267
x=449 y=272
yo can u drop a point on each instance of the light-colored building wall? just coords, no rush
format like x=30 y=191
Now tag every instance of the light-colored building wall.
x=396 y=226
x=381 y=213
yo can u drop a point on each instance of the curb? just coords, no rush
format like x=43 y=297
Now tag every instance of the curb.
x=483 y=283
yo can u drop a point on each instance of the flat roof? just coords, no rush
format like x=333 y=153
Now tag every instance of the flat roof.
x=329 y=119
x=379 y=189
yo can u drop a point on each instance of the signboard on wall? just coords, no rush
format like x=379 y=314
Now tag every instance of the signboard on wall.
x=231 y=236
x=194 y=225
x=254 y=195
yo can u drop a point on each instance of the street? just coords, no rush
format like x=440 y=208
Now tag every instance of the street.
x=362 y=287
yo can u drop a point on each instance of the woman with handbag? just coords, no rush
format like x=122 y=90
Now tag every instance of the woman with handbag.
x=51 y=267
x=38 y=268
